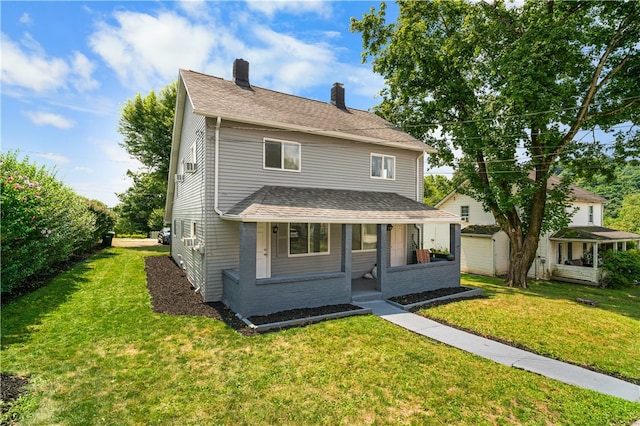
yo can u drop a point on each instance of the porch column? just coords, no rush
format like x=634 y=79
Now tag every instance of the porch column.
x=595 y=256
x=247 y=254
x=345 y=263
x=382 y=258
x=455 y=247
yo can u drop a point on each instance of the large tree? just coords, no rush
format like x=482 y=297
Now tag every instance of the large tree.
x=147 y=124
x=505 y=92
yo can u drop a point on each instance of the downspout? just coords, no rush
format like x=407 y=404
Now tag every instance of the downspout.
x=419 y=197
x=216 y=166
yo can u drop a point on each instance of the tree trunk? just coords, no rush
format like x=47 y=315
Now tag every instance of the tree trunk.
x=520 y=262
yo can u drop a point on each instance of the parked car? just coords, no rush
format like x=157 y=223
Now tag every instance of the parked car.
x=164 y=236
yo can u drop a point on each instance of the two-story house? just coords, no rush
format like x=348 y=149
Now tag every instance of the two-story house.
x=279 y=202
x=565 y=255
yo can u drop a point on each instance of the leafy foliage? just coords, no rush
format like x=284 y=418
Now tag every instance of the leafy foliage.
x=629 y=215
x=147 y=125
x=43 y=221
x=624 y=181
x=436 y=187
x=622 y=268
x=504 y=92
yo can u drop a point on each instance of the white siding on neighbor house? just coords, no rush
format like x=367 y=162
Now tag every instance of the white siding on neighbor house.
x=477 y=214
x=581 y=216
x=476 y=255
x=436 y=236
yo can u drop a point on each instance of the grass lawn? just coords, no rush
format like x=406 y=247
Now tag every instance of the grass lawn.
x=547 y=319
x=96 y=354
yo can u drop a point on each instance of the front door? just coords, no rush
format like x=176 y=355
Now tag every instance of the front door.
x=263 y=258
x=398 y=243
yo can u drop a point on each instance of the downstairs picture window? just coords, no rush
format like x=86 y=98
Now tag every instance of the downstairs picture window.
x=308 y=239
x=364 y=237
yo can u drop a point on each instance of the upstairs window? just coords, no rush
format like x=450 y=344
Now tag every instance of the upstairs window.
x=281 y=155
x=383 y=166
x=464 y=213
x=364 y=237
x=590 y=214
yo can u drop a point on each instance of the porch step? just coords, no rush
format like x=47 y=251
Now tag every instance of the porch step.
x=366 y=296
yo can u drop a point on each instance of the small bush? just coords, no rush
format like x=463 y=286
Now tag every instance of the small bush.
x=621 y=268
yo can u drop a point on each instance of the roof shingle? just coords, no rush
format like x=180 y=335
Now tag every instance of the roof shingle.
x=289 y=204
x=216 y=97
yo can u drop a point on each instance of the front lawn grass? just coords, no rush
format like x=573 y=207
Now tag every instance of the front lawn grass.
x=547 y=319
x=96 y=354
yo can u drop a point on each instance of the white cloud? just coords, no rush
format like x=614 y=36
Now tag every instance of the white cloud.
x=26 y=65
x=31 y=69
x=194 y=8
x=270 y=8
x=55 y=158
x=25 y=19
x=146 y=49
x=83 y=169
x=82 y=70
x=41 y=118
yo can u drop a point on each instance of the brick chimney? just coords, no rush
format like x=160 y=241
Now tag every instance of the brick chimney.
x=337 y=95
x=241 y=73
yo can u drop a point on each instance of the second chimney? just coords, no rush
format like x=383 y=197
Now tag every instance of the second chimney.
x=337 y=95
x=241 y=73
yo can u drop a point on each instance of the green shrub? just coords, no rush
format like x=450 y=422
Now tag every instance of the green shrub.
x=43 y=222
x=621 y=268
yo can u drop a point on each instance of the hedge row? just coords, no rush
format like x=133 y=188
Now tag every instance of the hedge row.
x=43 y=222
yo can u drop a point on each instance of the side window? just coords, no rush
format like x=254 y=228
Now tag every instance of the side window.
x=464 y=213
x=383 y=166
x=281 y=155
x=590 y=214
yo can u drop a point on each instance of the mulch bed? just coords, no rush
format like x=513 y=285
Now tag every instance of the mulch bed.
x=428 y=295
x=171 y=293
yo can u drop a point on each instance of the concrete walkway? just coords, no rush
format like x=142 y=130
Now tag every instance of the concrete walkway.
x=505 y=354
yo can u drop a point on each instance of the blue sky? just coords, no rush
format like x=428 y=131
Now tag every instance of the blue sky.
x=69 y=67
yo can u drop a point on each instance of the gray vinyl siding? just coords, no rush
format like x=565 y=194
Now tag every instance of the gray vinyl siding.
x=325 y=163
x=282 y=264
x=189 y=200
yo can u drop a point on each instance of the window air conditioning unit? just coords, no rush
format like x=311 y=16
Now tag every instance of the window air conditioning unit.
x=179 y=178
x=190 y=167
x=189 y=242
x=465 y=218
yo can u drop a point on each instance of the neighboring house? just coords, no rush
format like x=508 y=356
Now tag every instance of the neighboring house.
x=565 y=255
x=279 y=202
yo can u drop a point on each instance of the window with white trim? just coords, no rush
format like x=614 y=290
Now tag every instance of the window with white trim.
x=281 y=155
x=383 y=166
x=364 y=237
x=464 y=213
x=590 y=214
x=308 y=239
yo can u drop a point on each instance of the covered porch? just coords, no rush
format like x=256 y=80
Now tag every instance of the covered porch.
x=316 y=249
x=578 y=251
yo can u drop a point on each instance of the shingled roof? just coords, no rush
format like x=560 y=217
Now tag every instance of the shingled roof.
x=216 y=97
x=290 y=204
x=591 y=233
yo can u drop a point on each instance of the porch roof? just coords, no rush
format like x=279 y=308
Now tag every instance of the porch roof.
x=593 y=233
x=481 y=230
x=292 y=204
